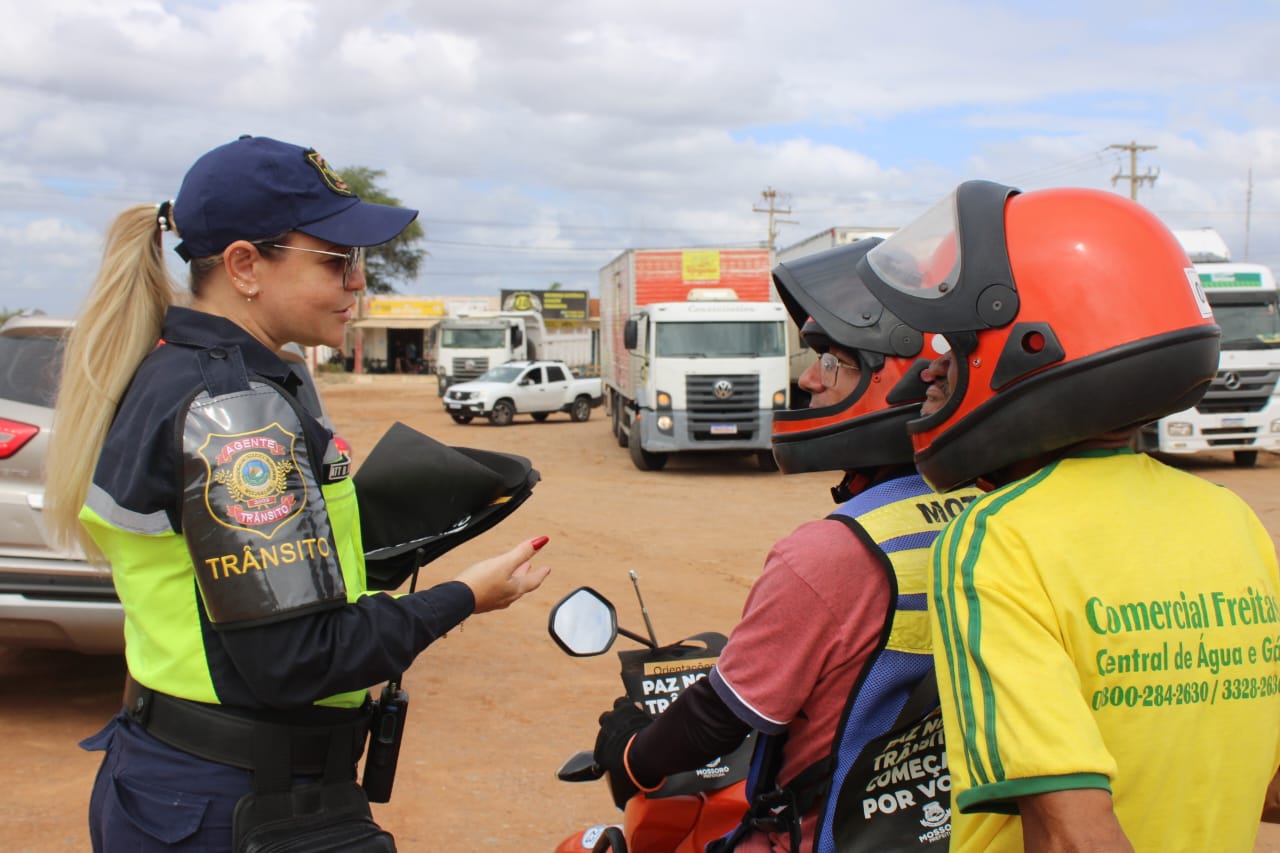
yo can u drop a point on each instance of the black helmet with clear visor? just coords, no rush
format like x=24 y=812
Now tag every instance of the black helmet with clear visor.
x=867 y=427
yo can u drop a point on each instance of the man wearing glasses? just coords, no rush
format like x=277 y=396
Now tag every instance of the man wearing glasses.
x=814 y=638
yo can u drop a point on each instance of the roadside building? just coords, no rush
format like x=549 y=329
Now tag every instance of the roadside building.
x=395 y=333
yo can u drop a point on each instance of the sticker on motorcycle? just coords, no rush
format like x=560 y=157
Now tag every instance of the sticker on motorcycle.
x=654 y=678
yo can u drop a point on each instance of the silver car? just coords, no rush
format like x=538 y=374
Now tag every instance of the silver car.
x=49 y=597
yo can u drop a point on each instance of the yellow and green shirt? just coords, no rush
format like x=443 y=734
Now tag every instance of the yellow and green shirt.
x=1110 y=622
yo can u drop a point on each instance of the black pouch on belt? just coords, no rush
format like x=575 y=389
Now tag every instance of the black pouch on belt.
x=316 y=817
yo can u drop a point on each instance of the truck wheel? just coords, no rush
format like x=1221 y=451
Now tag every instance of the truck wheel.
x=618 y=432
x=764 y=458
x=461 y=417
x=1246 y=458
x=581 y=409
x=442 y=385
x=502 y=413
x=540 y=416
x=641 y=458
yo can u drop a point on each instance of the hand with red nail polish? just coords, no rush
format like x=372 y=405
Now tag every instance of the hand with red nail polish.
x=499 y=582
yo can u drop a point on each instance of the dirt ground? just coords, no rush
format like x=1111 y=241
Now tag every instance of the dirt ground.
x=496 y=706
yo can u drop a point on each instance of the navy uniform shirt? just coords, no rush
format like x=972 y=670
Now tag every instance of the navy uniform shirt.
x=286 y=662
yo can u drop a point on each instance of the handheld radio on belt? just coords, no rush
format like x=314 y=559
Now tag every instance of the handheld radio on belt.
x=386 y=730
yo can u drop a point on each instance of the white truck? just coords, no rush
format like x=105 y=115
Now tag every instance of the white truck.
x=468 y=345
x=1241 y=410
x=838 y=235
x=537 y=388
x=694 y=352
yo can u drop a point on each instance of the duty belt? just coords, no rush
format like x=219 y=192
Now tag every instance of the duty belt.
x=228 y=737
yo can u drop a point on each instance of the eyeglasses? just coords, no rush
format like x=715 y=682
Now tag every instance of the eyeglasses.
x=354 y=258
x=829 y=370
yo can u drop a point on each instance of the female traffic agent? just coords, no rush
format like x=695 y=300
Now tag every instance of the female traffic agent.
x=190 y=453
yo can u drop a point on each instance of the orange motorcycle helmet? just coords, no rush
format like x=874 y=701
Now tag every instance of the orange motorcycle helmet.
x=1071 y=313
x=867 y=429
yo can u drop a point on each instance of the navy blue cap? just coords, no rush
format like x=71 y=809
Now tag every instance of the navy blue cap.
x=255 y=188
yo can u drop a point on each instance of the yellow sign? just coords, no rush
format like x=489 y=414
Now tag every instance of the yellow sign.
x=395 y=307
x=700 y=266
x=554 y=305
x=673 y=666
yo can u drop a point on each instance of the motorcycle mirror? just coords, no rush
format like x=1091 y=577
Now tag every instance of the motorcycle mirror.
x=581 y=767
x=584 y=623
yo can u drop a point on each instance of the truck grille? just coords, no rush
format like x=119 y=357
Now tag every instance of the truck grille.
x=466 y=369
x=707 y=410
x=1239 y=391
x=1229 y=436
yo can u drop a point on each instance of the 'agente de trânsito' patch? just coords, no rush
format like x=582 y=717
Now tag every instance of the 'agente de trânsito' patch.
x=254 y=515
x=253 y=481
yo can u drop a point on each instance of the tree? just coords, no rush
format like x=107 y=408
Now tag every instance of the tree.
x=398 y=260
x=5 y=313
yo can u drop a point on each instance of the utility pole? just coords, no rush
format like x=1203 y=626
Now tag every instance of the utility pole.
x=1248 y=212
x=1135 y=180
x=771 y=196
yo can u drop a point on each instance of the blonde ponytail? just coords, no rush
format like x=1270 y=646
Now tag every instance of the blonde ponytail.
x=119 y=324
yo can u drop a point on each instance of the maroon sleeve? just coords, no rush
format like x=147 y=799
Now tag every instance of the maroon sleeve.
x=820 y=601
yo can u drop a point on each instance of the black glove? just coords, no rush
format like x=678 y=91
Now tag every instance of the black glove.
x=617 y=727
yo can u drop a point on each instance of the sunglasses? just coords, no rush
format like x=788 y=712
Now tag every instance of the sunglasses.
x=829 y=370
x=354 y=258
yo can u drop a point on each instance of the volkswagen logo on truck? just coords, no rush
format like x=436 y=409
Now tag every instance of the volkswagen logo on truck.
x=723 y=389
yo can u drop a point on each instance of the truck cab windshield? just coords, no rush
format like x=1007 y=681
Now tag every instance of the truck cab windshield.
x=1248 y=326
x=473 y=338
x=720 y=340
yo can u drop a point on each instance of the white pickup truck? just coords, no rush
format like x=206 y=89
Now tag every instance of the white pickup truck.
x=535 y=388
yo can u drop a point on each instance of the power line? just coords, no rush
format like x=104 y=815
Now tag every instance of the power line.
x=559 y=226
x=522 y=248
x=1058 y=170
x=432 y=272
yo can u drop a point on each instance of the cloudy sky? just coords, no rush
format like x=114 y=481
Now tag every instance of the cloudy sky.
x=539 y=140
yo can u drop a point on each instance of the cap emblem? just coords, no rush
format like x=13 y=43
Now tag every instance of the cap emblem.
x=331 y=178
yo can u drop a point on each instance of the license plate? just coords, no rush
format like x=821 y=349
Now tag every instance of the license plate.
x=724 y=429
x=1233 y=422
x=453 y=407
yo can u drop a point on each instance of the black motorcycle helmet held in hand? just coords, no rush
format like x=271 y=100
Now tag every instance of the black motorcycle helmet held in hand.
x=420 y=498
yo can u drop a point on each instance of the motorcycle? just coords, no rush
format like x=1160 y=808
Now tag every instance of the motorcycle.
x=691 y=809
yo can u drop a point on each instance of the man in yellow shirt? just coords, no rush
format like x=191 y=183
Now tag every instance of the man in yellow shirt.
x=1107 y=628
